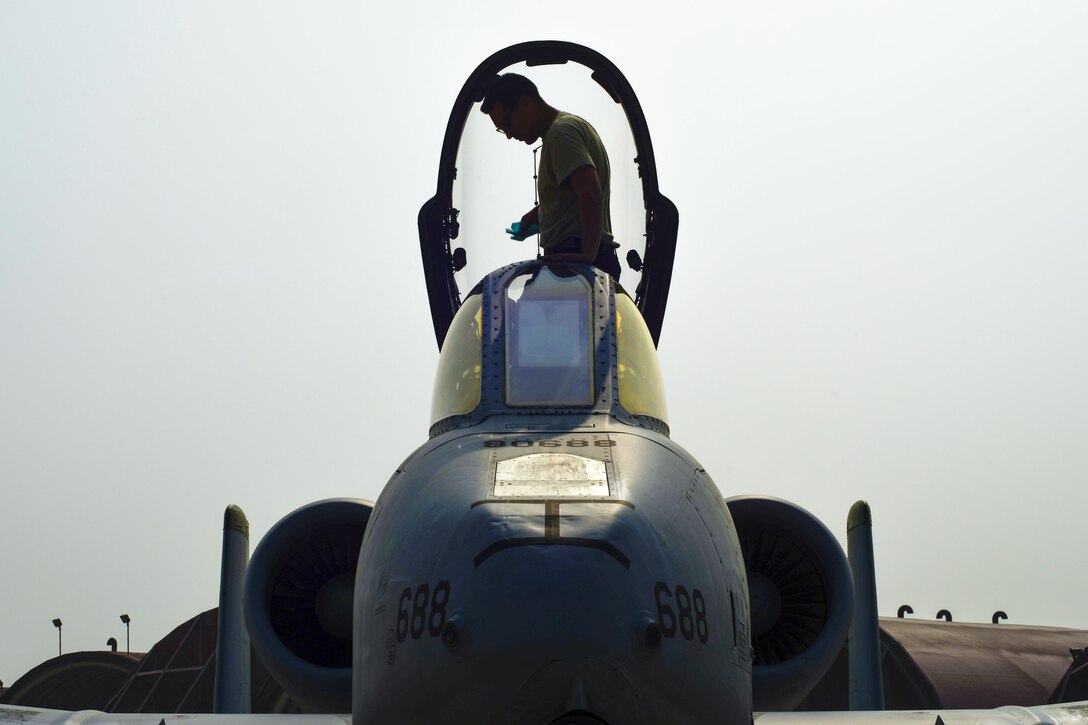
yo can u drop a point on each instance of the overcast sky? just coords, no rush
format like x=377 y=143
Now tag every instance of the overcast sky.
x=211 y=290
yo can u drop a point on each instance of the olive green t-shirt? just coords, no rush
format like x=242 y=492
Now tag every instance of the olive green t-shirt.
x=570 y=143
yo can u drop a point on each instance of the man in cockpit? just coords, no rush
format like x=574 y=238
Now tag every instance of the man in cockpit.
x=574 y=176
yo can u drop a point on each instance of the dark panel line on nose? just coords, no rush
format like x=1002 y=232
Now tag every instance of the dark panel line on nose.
x=551 y=520
x=597 y=544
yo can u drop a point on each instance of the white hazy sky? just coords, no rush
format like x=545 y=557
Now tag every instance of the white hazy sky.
x=211 y=290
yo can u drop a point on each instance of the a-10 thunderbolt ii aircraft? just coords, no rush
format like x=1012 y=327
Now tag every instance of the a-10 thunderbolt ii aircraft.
x=550 y=555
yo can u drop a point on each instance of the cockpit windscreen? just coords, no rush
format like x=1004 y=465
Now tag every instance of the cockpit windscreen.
x=549 y=351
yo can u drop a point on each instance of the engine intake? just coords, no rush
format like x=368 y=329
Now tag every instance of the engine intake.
x=801 y=595
x=298 y=600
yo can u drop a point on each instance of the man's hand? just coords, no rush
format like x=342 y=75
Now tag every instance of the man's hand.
x=518 y=234
x=519 y=231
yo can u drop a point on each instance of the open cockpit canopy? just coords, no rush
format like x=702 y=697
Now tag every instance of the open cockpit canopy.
x=486 y=182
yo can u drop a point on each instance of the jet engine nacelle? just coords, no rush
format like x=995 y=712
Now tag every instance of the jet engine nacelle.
x=801 y=594
x=298 y=600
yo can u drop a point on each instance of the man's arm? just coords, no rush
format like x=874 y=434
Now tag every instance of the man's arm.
x=530 y=217
x=587 y=187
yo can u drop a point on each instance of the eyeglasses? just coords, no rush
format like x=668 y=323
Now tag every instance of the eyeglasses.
x=505 y=125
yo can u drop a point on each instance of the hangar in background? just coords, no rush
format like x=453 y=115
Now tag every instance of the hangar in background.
x=934 y=664
x=177 y=675
x=73 y=681
x=927 y=664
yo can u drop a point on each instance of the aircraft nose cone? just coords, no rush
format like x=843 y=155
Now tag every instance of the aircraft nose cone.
x=577 y=691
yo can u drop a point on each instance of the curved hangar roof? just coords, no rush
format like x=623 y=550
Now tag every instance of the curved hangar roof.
x=932 y=664
x=984 y=665
x=74 y=681
x=177 y=675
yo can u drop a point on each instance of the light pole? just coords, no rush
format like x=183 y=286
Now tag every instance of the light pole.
x=57 y=623
x=128 y=642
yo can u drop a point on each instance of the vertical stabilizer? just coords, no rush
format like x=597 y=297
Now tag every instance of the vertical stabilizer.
x=866 y=680
x=232 y=647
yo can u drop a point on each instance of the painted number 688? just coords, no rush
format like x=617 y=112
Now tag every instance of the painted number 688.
x=422 y=611
x=690 y=612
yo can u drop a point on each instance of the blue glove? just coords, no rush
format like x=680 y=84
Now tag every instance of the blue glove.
x=518 y=235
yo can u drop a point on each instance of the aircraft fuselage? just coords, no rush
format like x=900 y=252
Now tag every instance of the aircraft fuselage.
x=530 y=567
